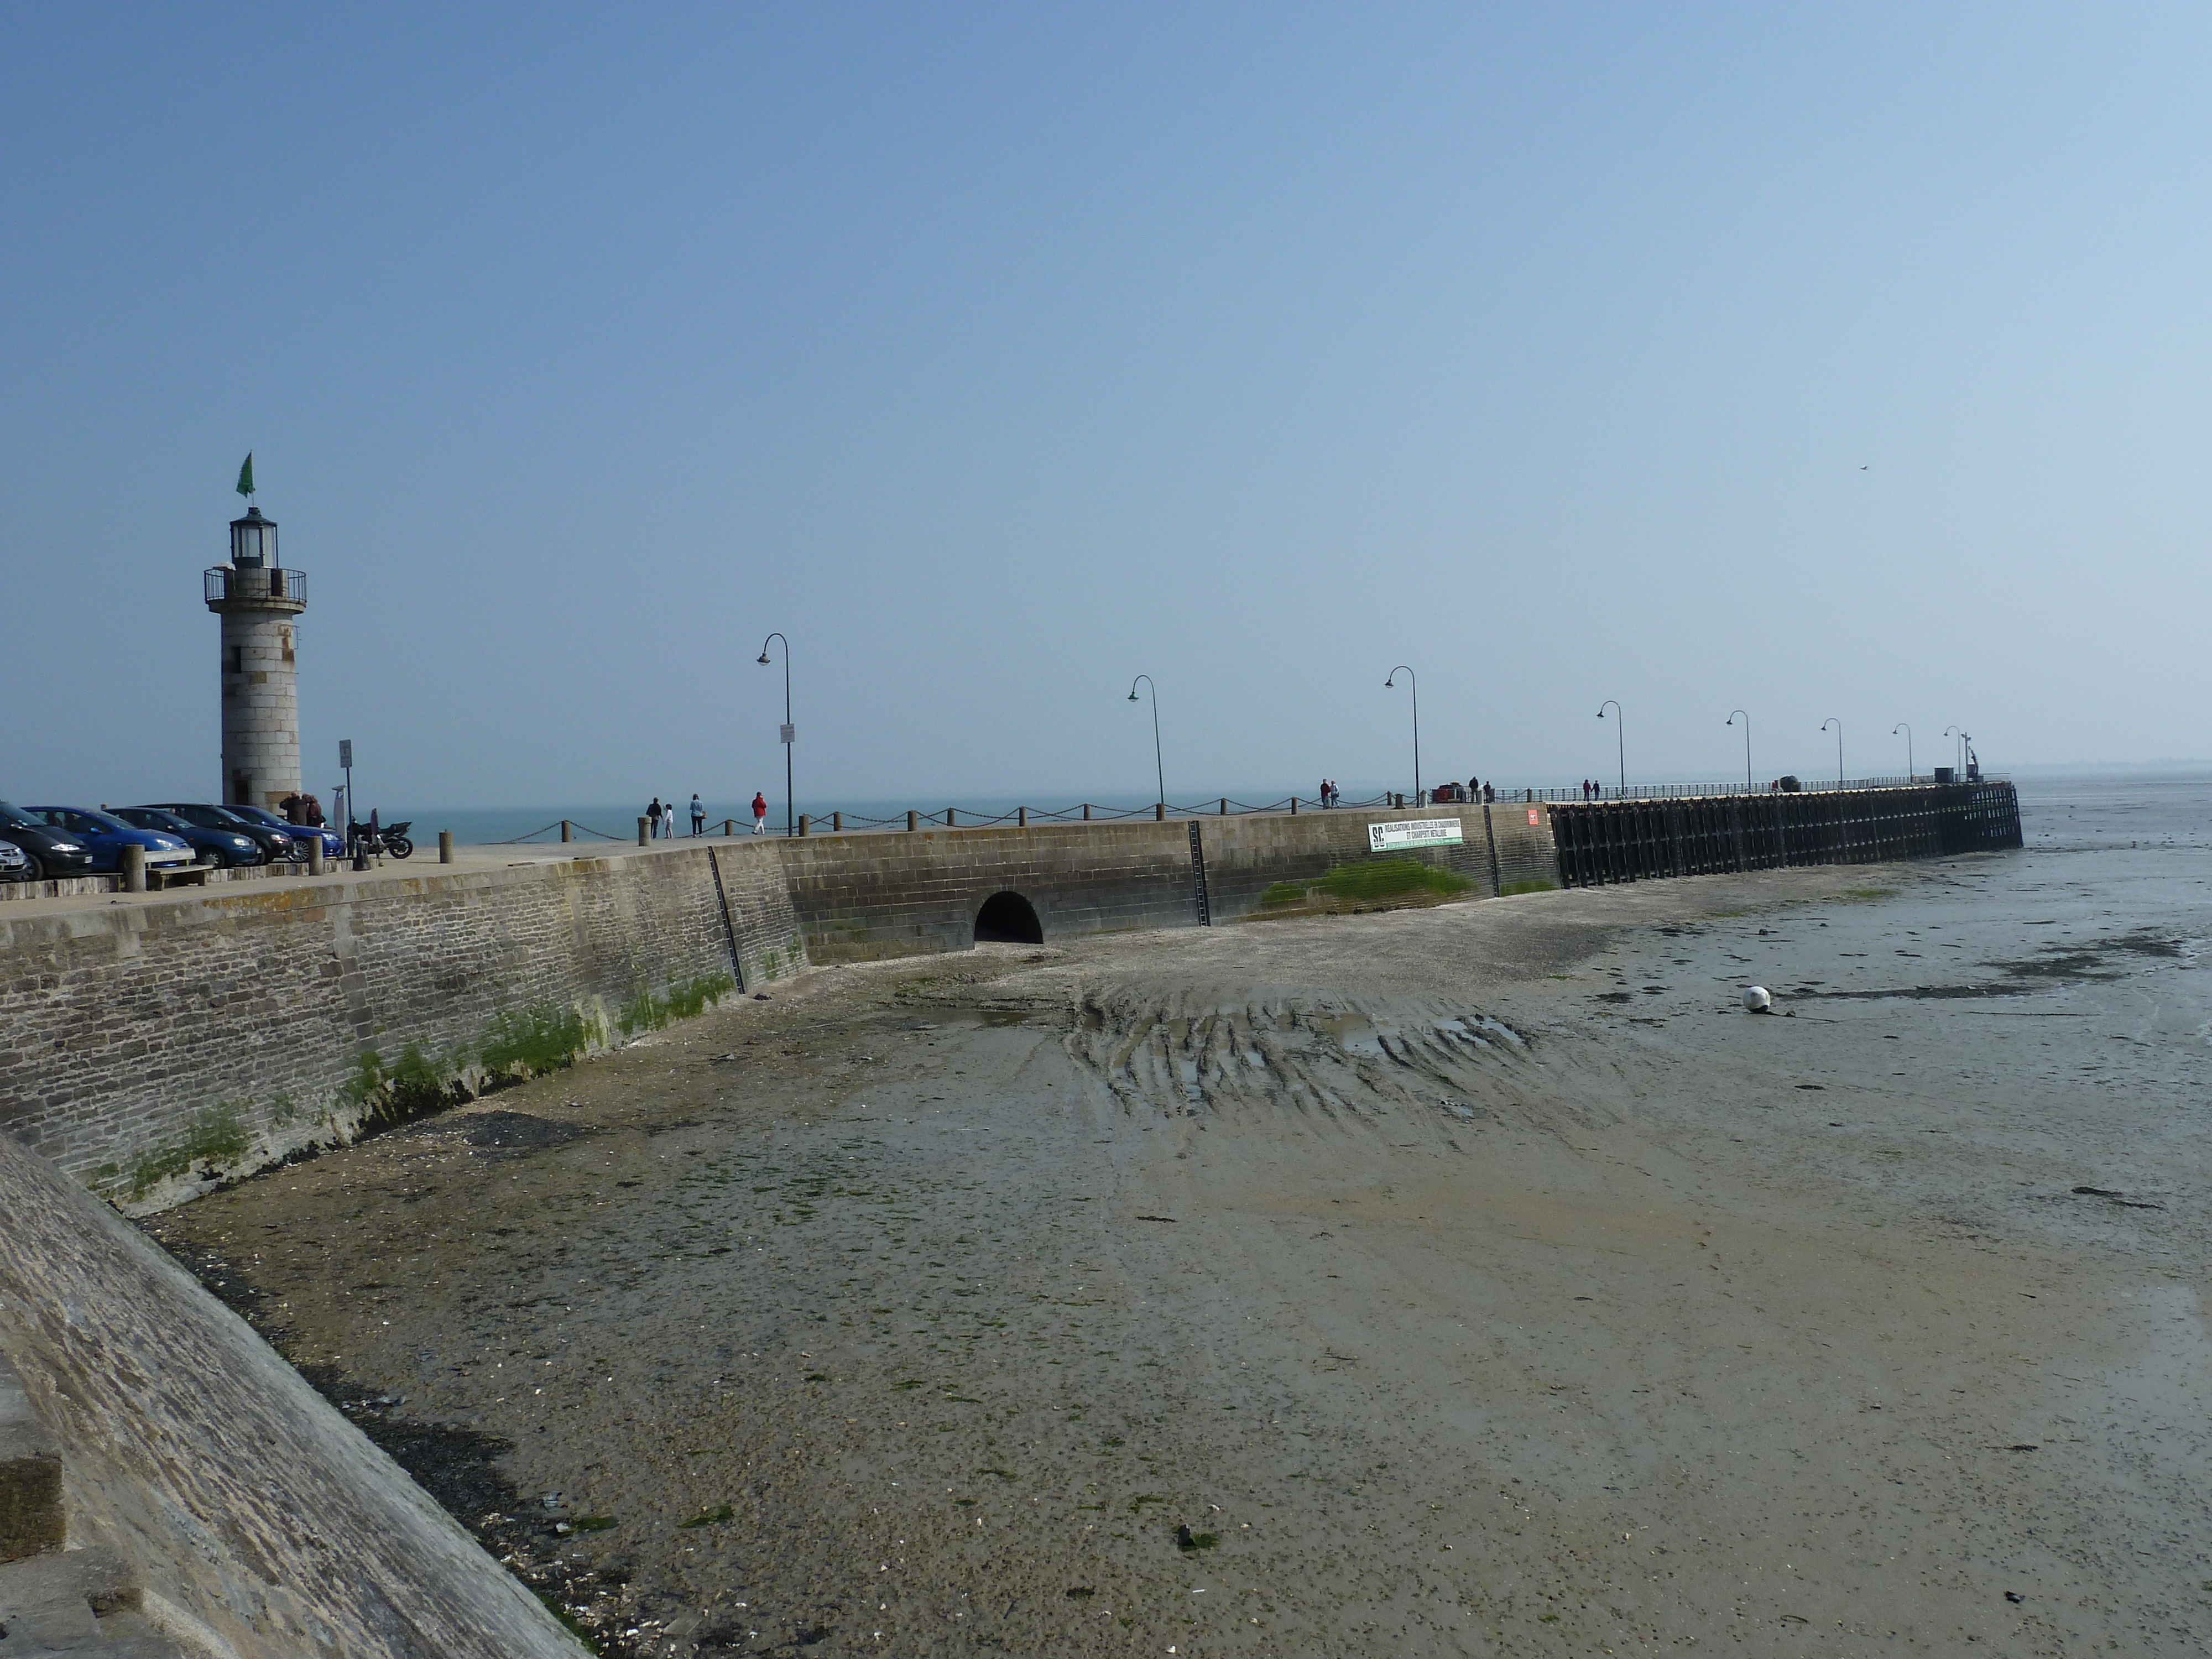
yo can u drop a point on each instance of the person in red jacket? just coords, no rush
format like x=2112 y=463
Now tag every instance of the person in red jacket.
x=760 y=811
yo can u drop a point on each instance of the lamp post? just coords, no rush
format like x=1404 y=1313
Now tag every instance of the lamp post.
x=1159 y=771
x=1838 y=725
x=1747 y=745
x=1414 y=681
x=1620 y=739
x=1905 y=726
x=1960 y=759
x=789 y=730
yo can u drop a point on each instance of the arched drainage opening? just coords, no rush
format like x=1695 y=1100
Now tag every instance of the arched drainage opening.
x=1007 y=919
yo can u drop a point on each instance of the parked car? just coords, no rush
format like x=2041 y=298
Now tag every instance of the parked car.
x=1445 y=794
x=54 y=854
x=215 y=846
x=14 y=862
x=301 y=834
x=107 y=835
x=274 y=843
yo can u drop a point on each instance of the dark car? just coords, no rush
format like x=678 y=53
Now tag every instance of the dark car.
x=106 y=835
x=303 y=834
x=53 y=854
x=217 y=846
x=274 y=843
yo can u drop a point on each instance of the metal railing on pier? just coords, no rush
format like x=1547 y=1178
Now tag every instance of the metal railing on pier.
x=963 y=817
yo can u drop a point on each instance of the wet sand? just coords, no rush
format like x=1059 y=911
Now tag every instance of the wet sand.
x=1469 y=1279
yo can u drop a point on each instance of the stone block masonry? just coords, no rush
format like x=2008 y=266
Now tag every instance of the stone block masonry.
x=214 y=1503
x=865 y=897
x=869 y=896
x=149 y=1048
x=261 y=708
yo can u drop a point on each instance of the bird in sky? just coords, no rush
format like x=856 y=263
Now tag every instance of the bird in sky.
x=1862 y=469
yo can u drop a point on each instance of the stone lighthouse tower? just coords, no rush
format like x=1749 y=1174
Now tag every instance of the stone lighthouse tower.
x=259 y=602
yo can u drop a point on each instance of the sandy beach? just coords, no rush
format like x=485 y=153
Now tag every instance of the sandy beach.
x=1469 y=1279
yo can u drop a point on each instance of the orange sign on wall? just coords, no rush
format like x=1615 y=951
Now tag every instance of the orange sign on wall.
x=1533 y=819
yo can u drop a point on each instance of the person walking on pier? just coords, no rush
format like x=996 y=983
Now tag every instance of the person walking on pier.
x=760 y=811
x=698 y=815
x=652 y=820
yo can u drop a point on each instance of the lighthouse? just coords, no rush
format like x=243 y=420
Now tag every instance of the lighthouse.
x=259 y=602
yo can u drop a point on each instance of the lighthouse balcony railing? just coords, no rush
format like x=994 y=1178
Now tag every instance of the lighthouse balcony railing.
x=256 y=582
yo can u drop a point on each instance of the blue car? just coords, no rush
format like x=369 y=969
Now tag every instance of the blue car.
x=333 y=842
x=217 y=846
x=105 y=836
x=275 y=844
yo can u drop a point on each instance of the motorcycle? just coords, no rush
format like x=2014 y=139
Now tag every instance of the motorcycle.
x=390 y=840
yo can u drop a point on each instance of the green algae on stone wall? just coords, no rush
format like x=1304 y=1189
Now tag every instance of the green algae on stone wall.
x=528 y=1041
x=139 y=1036
x=645 y=1012
x=378 y=1094
x=215 y=1139
x=1369 y=882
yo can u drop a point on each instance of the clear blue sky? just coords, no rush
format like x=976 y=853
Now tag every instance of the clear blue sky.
x=1844 y=360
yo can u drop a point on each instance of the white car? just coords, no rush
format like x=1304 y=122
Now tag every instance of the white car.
x=15 y=864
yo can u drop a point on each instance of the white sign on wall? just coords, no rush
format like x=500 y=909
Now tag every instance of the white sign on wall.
x=1413 y=832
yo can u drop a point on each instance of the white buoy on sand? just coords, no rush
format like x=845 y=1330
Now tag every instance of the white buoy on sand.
x=1756 y=1000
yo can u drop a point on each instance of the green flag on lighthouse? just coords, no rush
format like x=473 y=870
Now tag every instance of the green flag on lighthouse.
x=246 y=475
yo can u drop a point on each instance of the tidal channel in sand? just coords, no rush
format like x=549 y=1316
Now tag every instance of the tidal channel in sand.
x=1472 y=1279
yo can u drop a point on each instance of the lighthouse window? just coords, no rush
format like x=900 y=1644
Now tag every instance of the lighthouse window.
x=285 y=635
x=238 y=660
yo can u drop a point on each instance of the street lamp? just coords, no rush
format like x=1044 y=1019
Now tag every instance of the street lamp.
x=1905 y=726
x=1957 y=756
x=1159 y=772
x=1747 y=744
x=1620 y=739
x=1838 y=725
x=1414 y=681
x=789 y=730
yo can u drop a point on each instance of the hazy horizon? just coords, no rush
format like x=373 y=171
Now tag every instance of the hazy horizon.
x=1846 y=363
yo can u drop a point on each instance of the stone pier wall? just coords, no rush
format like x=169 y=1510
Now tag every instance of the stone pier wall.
x=866 y=896
x=151 y=1048
x=147 y=1048
x=212 y=1502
